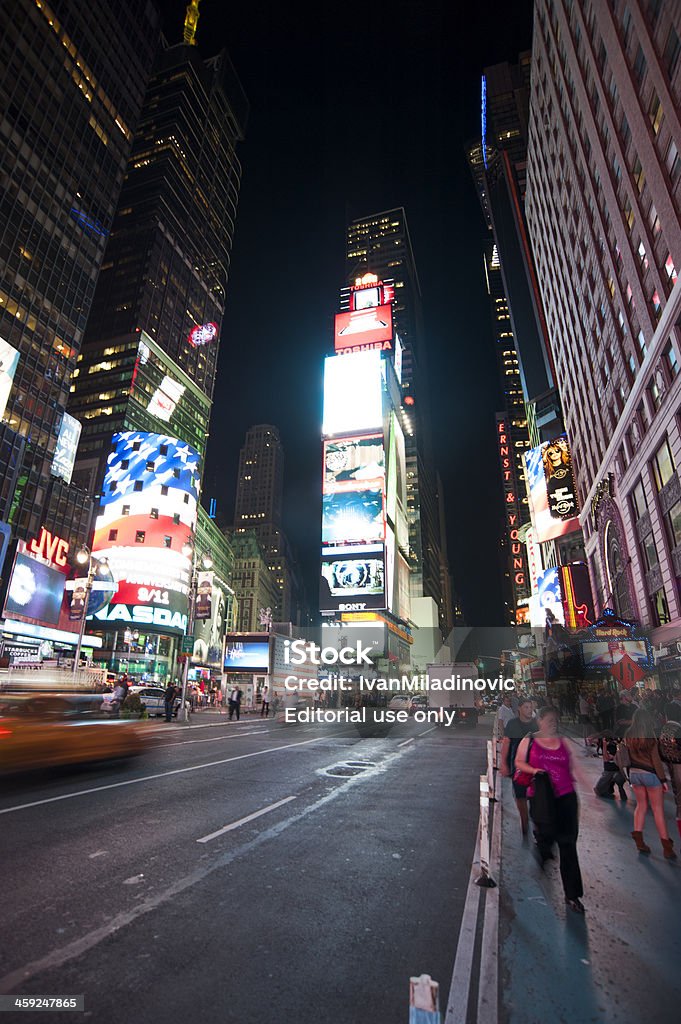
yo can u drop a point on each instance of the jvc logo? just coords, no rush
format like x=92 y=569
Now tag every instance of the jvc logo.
x=298 y=652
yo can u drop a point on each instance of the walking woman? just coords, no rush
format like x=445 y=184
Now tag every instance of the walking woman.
x=546 y=752
x=648 y=781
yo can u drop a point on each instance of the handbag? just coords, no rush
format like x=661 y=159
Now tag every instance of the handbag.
x=524 y=778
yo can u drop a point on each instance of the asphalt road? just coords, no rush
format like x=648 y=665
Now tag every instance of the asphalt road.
x=329 y=890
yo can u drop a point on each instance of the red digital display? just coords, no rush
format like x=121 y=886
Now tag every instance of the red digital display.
x=364 y=328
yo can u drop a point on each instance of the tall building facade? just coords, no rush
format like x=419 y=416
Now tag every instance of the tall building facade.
x=72 y=81
x=255 y=586
x=603 y=204
x=166 y=265
x=259 y=507
x=381 y=244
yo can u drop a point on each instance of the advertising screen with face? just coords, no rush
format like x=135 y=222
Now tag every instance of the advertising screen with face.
x=351 y=462
x=353 y=517
x=367 y=326
x=353 y=393
x=149 y=505
x=247 y=656
x=352 y=579
x=35 y=591
x=606 y=653
x=209 y=633
x=547 y=598
x=553 y=498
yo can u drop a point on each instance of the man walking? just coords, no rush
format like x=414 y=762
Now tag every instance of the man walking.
x=235 y=702
x=504 y=714
x=515 y=730
x=265 y=710
x=169 y=701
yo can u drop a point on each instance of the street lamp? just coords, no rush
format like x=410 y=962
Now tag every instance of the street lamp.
x=84 y=557
x=206 y=563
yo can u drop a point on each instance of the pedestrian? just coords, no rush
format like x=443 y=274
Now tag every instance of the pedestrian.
x=169 y=701
x=117 y=697
x=218 y=698
x=624 y=713
x=515 y=730
x=585 y=718
x=605 y=704
x=647 y=778
x=547 y=753
x=265 y=710
x=235 y=703
x=612 y=774
x=504 y=714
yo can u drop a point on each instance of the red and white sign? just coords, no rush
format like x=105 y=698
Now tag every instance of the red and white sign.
x=202 y=334
x=364 y=329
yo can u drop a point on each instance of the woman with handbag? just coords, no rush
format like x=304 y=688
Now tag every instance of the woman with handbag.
x=648 y=781
x=544 y=760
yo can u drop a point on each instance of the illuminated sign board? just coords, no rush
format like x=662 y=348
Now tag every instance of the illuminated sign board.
x=577 y=599
x=9 y=358
x=351 y=517
x=209 y=632
x=67 y=446
x=370 y=327
x=35 y=590
x=547 y=598
x=52 y=549
x=352 y=462
x=149 y=504
x=202 y=334
x=517 y=555
x=353 y=393
x=352 y=579
x=163 y=402
x=553 y=498
x=368 y=291
x=600 y=654
x=246 y=655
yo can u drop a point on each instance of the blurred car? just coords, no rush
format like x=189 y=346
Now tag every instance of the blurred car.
x=467 y=717
x=46 y=730
x=419 y=702
x=153 y=698
x=400 y=702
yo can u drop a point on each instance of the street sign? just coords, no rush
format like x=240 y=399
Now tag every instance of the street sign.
x=187 y=644
x=627 y=672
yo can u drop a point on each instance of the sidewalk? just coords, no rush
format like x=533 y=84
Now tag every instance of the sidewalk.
x=619 y=964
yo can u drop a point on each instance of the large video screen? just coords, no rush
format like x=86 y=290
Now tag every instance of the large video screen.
x=351 y=462
x=353 y=390
x=149 y=505
x=606 y=653
x=35 y=591
x=247 y=656
x=352 y=579
x=553 y=497
x=369 y=326
x=353 y=517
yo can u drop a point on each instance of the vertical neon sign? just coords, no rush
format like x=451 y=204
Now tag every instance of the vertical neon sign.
x=483 y=119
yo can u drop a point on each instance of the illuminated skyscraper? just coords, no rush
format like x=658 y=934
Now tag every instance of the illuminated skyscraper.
x=72 y=80
x=166 y=264
x=381 y=244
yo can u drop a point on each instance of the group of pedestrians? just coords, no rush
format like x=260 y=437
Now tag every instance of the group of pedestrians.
x=638 y=742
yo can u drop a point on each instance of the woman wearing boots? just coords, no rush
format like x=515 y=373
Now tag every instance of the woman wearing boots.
x=647 y=778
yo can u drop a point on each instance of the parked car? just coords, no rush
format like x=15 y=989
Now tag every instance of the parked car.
x=46 y=730
x=153 y=698
x=400 y=702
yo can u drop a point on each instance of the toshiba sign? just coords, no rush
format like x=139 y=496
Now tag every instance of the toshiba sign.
x=364 y=328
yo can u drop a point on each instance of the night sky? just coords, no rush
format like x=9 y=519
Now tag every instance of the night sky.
x=356 y=110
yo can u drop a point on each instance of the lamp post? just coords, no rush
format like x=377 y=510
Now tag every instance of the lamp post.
x=83 y=557
x=207 y=563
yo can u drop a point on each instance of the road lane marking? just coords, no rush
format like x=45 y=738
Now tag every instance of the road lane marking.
x=243 y=821
x=404 y=742
x=213 y=739
x=428 y=730
x=158 y=775
x=58 y=957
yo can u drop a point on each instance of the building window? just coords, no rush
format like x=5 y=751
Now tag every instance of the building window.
x=138 y=485
x=139 y=536
x=176 y=519
x=125 y=510
x=669 y=266
x=649 y=550
x=673 y=525
x=153 y=514
x=125 y=463
x=663 y=465
x=657 y=304
x=150 y=467
x=113 y=534
x=655 y=396
x=640 y=65
x=638 y=500
x=167 y=542
x=671 y=359
x=655 y=113
x=136 y=446
x=642 y=344
x=671 y=52
x=164 y=489
x=673 y=162
x=660 y=608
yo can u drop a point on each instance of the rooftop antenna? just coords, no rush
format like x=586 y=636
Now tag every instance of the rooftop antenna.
x=191 y=20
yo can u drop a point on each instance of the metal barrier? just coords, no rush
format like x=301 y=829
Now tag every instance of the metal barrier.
x=485 y=880
x=24 y=677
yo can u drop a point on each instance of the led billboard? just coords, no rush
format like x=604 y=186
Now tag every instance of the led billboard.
x=209 y=633
x=547 y=598
x=352 y=579
x=350 y=462
x=552 y=494
x=35 y=591
x=202 y=334
x=353 y=517
x=353 y=393
x=577 y=599
x=606 y=653
x=163 y=402
x=247 y=655
x=67 y=446
x=9 y=357
x=148 y=512
x=370 y=326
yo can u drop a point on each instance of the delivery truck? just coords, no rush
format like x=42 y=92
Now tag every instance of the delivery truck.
x=451 y=687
